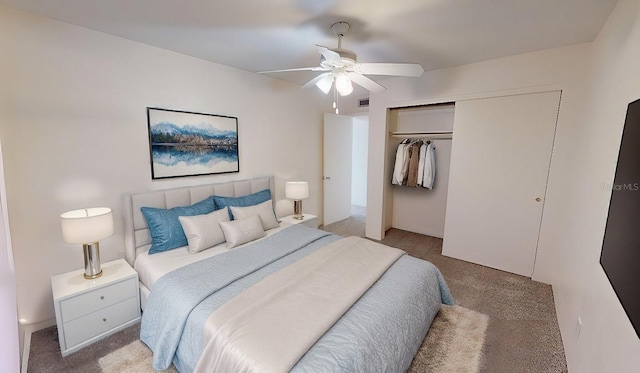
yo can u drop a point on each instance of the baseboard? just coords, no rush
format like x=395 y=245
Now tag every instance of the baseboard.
x=25 y=331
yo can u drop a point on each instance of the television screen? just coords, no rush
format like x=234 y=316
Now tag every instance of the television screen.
x=620 y=257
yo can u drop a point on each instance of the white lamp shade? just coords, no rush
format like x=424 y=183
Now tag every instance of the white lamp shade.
x=343 y=84
x=325 y=84
x=296 y=190
x=87 y=226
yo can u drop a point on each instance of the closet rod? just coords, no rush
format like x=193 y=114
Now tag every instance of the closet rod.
x=439 y=134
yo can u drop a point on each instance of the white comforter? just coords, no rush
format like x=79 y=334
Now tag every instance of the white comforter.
x=269 y=326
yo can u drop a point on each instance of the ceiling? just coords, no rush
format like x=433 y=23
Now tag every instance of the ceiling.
x=258 y=35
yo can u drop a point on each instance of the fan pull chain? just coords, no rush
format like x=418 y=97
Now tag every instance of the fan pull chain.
x=335 y=99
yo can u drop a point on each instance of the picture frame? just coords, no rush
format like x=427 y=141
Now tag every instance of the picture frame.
x=185 y=143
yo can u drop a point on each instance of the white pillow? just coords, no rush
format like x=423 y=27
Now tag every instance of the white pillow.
x=203 y=231
x=264 y=210
x=241 y=231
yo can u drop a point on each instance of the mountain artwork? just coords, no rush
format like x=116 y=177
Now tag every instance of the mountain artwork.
x=189 y=144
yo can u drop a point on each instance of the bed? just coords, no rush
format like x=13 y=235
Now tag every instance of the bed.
x=355 y=305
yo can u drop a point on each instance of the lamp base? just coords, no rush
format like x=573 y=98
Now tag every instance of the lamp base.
x=92 y=268
x=297 y=209
x=88 y=277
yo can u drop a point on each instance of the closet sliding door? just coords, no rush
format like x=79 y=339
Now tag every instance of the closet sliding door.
x=499 y=169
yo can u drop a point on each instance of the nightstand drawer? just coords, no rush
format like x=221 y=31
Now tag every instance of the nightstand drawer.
x=95 y=300
x=96 y=323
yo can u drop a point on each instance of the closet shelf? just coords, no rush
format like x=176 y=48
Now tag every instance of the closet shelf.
x=433 y=134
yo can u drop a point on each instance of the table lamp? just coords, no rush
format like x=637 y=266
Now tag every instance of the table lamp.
x=87 y=227
x=297 y=191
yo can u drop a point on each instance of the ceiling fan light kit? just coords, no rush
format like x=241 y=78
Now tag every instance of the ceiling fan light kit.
x=343 y=84
x=340 y=65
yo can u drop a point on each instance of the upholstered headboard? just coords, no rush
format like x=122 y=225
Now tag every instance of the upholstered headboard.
x=136 y=231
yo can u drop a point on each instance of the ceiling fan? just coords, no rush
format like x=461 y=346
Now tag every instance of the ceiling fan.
x=340 y=65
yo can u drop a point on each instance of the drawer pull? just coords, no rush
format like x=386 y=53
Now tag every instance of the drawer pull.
x=104 y=319
x=102 y=297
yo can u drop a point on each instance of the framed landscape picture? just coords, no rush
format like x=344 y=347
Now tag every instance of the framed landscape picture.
x=184 y=143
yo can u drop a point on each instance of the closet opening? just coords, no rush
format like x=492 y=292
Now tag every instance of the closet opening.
x=418 y=196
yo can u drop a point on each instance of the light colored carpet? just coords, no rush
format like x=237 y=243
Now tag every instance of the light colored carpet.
x=454 y=344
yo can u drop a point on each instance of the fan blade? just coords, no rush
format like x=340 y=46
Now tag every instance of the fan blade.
x=329 y=55
x=397 y=69
x=365 y=82
x=298 y=69
x=316 y=80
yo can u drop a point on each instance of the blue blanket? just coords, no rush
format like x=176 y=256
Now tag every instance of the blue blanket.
x=371 y=336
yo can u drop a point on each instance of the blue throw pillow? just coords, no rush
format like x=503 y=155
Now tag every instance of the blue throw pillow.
x=165 y=227
x=244 y=201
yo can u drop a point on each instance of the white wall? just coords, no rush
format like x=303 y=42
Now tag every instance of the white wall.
x=9 y=350
x=598 y=81
x=574 y=223
x=73 y=128
x=348 y=105
x=360 y=150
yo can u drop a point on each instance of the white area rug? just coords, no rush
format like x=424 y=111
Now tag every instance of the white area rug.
x=454 y=344
x=132 y=358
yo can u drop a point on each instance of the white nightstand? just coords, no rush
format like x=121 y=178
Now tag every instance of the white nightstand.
x=309 y=220
x=88 y=310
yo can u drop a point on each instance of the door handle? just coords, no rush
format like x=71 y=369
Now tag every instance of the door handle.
x=326 y=178
x=538 y=199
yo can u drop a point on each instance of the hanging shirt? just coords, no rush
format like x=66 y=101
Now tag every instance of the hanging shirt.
x=423 y=151
x=414 y=161
x=429 y=175
x=405 y=164
x=397 y=169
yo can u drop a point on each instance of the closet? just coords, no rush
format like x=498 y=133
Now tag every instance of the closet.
x=418 y=209
x=493 y=175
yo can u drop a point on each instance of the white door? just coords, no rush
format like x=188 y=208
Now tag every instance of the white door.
x=500 y=160
x=338 y=132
